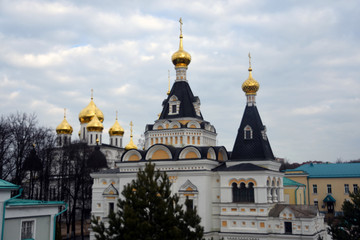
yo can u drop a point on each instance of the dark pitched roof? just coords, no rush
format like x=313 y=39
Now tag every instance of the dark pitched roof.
x=97 y=159
x=239 y=167
x=184 y=94
x=32 y=162
x=300 y=211
x=257 y=148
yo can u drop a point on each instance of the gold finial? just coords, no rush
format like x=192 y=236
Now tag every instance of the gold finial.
x=131 y=144
x=168 y=93
x=250 y=86
x=159 y=115
x=116 y=115
x=92 y=94
x=181 y=23
x=249 y=60
x=97 y=141
x=64 y=112
x=34 y=145
x=181 y=58
x=131 y=130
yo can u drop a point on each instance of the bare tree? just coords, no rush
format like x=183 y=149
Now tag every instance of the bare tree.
x=5 y=142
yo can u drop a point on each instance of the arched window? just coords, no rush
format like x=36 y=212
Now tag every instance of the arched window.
x=243 y=193
x=235 y=192
x=248 y=133
x=251 y=192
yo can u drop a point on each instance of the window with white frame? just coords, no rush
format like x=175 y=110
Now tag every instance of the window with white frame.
x=314 y=188
x=248 y=133
x=346 y=188
x=174 y=105
x=329 y=188
x=27 y=229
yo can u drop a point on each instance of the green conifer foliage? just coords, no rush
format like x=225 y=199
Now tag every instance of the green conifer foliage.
x=148 y=210
x=348 y=226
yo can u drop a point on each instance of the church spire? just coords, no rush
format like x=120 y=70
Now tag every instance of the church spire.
x=181 y=59
x=251 y=141
x=250 y=86
x=168 y=92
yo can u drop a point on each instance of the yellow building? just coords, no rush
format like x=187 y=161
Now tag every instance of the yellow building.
x=327 y=185
x=294 y=192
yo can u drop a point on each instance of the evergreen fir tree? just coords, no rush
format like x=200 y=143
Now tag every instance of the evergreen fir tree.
x=148 y=210
x=348 y=226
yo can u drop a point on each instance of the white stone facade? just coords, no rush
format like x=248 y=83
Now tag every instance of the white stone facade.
x=211 y=192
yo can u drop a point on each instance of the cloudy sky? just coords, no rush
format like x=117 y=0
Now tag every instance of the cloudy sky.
x=305 y=55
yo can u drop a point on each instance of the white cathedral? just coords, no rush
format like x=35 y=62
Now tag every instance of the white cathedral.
x=238 y=194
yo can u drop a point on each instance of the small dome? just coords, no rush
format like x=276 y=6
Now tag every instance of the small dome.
x=131 y=144
x=250 y=86
x=91 y=110
x=181 y=58
x=97 y=159
x=64 y=127
x=116 y=129
x=95 y=125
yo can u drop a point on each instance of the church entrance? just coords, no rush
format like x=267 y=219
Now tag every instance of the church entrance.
x=330 y=207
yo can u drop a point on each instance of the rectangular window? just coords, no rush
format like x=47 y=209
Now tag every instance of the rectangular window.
x=346 y=188
x=190 y=203
x=316 y=203
x=27 y=229
x=329 y=188
x=288 y=227
x=355 y=186
x=111 y=207
x=247 y=134
x=173 y=108
x=314 y=188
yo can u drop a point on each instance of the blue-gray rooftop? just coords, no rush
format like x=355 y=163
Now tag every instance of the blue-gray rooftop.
x=330 y=170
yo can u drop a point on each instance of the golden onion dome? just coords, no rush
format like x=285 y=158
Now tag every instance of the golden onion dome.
x=116 y=129
x=250 y=86
x=181 y=58
x=64 y=127
x=90 y=111
x=95 y=125
x=131 y=144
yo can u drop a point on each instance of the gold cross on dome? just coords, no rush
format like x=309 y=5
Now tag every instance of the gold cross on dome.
x=169 y=82
x=249 y=60
x=92 y=94
x=181 y=23
x=131 y=125
x=116 y=115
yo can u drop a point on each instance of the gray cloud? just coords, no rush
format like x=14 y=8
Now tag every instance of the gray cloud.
x=305 y=56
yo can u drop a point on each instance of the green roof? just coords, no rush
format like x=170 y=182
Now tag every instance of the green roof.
x=330 y=170
x=28 y=202
x=289 y=182
x=329 y=198
x=7 y=185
